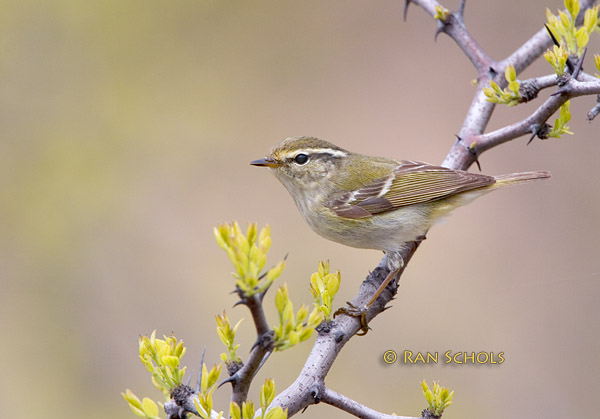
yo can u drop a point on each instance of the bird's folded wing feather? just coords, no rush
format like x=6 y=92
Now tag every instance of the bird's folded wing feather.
x=410 y=183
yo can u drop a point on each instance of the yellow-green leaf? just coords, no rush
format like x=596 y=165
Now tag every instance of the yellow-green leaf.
x=305 y=334
x=582 y=38
x=573 y=7
x=137 y=412
x=510 y=73
x=171 y=361
x=267 y=393
x=441 y=13
x=281 y=298
x=131 y=398
x=275 y=271
x=276 y=413
x=333 y=283
x=150 y=408
x=248 y=409
x=235 y=411
x=294 y=338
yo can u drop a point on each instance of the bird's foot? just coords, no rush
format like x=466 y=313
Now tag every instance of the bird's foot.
x=354 y=311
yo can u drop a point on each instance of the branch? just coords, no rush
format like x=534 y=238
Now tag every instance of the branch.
x=480 y=111
x=527 y=53
x=595 y=110
x=569 y=87
x=254 y=304
x=346 y=404
x=241 y=378
x=333 y=336
x=572 y=89
x=455 y=28
x=537 y=84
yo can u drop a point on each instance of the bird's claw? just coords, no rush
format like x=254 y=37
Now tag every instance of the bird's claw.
x=354 y=311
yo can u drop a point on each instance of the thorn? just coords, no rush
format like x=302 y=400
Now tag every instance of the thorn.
x=552 y=35
x=458 y=138
x=231 y=379
x=461 y=9
x=471 y=150
x=264 y=340
x=406 y=4
x=240 y=302
x=199 y=381
x=261 y=295
x=440 y=28
x=238 y=291
x=579 y=64
x=203 y=354
x=541 y=131
x=262 y=362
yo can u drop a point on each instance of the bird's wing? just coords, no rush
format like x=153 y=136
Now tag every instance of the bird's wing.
x=410 y=183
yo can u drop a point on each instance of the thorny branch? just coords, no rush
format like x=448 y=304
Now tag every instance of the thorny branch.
x=241 y=377
x=480 y=111
x=331 y=339
x=346 y=404
x=309 y=388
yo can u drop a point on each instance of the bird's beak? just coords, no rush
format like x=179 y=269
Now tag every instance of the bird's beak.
x=266 y=162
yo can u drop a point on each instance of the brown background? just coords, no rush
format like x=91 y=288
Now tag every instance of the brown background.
x=127 y=128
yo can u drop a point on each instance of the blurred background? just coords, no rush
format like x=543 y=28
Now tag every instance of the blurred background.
x=126 y=132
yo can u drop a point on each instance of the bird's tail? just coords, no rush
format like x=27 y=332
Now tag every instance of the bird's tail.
x=513 y=178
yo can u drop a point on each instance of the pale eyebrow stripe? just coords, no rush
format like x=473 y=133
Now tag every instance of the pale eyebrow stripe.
x=330 y=151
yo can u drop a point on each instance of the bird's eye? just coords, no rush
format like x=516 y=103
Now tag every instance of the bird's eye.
x=301 y=159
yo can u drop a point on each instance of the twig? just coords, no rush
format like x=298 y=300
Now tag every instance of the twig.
x=242 y=377
x=481 y=110
x=572 y=89
x=595 y=110
x=455 y=28
x=346 y=404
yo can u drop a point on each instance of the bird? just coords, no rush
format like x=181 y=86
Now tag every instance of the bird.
x=374 y=202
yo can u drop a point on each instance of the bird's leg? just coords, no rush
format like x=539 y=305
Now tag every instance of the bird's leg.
x=395 y=266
